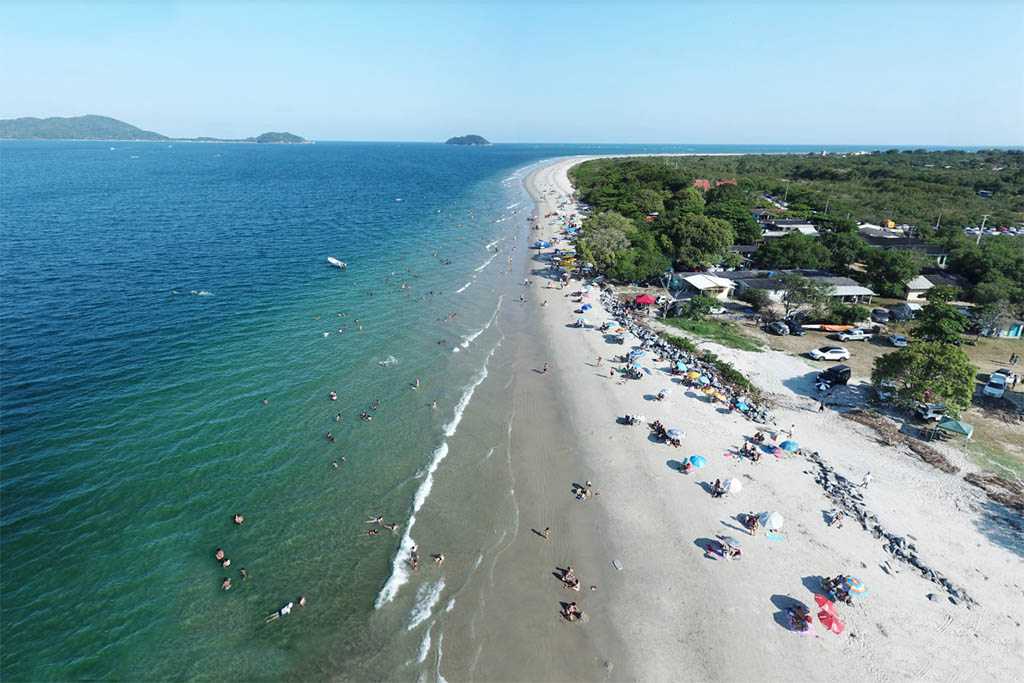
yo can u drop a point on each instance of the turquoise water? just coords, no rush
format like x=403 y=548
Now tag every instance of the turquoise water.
x=153 y=296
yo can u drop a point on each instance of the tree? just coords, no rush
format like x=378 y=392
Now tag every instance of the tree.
x=794 y=250
x=993 y=316
x=699 y=306
x=603 y=235
x=732 y=260
x=798 y=291
x=844 y=249
x=942 y=294
x=699 y=240
x=836 y=223
x=929 y=371
x=687 y=200
x=757 y=298
x=746 y=228
x=725 y=193
x=889 y=270
x=940 y=321
x=640 y=262
x=649 y=201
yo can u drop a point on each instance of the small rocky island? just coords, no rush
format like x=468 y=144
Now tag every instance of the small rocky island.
x=474 y=140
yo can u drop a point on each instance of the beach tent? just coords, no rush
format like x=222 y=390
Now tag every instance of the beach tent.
x=645 y=299
x=771 y=520
x=955 y=426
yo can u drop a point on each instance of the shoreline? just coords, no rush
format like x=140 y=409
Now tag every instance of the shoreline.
x=686 y=616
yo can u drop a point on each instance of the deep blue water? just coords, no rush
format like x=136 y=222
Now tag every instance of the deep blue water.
x=133 y=423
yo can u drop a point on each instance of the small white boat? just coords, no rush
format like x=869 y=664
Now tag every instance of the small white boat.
x=335 y=262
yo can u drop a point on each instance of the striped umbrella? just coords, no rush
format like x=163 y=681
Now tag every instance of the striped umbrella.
x=855 y=585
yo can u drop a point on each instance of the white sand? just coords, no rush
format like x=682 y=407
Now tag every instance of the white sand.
x=684 y=616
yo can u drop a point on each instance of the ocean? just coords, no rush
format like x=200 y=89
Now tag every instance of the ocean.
x=171 y=335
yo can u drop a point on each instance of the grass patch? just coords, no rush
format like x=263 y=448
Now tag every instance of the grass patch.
x=718 y=331
x=994 y=459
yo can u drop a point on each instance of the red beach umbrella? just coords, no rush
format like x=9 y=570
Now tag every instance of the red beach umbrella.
x=645 y=299
x=831 y=622
x=825 y=604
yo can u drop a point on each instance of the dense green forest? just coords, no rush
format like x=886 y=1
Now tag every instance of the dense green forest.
x=648 y=216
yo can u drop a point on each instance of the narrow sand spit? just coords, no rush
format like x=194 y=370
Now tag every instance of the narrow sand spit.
x=673 y=613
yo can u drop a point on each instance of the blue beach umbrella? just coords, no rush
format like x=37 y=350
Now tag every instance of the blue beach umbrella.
x=680 y=365
x=585 y=307
x=675 y=434
x=742 y=406
x=789 y=445
x=636 y=353
x=703 y=380
x=698 y=461
x=634 y=364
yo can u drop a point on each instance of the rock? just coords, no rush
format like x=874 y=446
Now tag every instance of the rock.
x=954 y=600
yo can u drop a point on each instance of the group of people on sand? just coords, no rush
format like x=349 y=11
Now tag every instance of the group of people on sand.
x=750 y=451
x=584 y=492
x=836 y=589
x=662 y=434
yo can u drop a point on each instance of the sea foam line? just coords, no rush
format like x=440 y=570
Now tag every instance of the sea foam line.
x=488 y=247
x=462 y=289
x=486 y=263
x=426 y=599
x=400 y=565
x=424 y=647
x=512 y=206
x=466 y=341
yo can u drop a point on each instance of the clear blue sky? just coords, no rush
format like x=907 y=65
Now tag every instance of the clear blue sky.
x=926 y=72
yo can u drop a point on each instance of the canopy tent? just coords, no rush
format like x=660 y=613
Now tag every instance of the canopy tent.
x=955 y=426
x=645 y=299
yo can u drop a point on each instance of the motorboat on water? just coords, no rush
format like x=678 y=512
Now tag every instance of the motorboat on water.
x=335 y=262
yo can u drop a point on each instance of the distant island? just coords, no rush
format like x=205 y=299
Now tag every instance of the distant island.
x=92 y=127
x=468 y=140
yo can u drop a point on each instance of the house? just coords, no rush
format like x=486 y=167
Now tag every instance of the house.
x=932 y=277
x=709 y=285
x=843 y=288
x=762 y=215
x=724 y=182
x=702 y=184
x=791 y=225
x=889 y=239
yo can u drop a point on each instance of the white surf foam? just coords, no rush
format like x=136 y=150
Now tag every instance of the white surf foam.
x=426 y=599
x=488 y=247
x=450 y=605
x=467 y=340
x=486 y=263
x=462 y=289
x=400 y=565
x=424 y=647
x=437 y=670
x=512 y=206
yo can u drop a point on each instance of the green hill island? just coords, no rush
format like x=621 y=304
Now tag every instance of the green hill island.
x=474 y=140
x=92 y=127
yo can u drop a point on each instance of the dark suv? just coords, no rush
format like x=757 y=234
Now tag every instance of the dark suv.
x=837 y=374
x=794 y=328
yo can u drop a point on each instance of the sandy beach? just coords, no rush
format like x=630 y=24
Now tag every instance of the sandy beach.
x=675 y=612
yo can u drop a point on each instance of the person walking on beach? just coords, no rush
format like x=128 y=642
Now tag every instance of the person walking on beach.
x=545 y=370
x=792 y=428
x=598 y=364
x=547 y=533
x=821 y=407
x=865 y=481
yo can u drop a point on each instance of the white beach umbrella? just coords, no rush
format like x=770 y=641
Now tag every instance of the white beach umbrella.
x=771 y=520
x=732 y=485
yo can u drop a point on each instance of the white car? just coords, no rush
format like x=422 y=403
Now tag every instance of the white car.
x=897 y=340
x=856 y=334
x=996 y=386
x=830 y=353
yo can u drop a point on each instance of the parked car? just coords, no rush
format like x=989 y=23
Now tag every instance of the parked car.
x=903 y=312
x=880 y=315
x=930 y=412
x=885 y=391
x=795 y=328
x=830 y=353
x=837 y=374
x=716 y=310
x=778 y=327
x=856 y=334
x=996 y=386
x=897 y=340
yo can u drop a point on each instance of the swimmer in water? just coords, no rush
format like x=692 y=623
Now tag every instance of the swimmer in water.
x=376 y=520
x=239 y=519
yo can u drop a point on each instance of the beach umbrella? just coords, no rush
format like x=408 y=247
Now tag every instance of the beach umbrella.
x=634 y=364
x=585 y=307
x=732 y=542
x=636 y=353
x=698 y=461
x=708 y=390
x=664 y=392
x=703 y=380
x=675 y=434
x=831 y=622
x=771 y=520
x=789 y=445
x=720 y=396
x=620 y=330
x=693 y=375
x=732 y=485
x=855 y=585
x=681 y=366
x=645 y=299
x=742 y=406
x=825 y=604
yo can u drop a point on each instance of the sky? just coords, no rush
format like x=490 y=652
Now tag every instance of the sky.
x=926 y=72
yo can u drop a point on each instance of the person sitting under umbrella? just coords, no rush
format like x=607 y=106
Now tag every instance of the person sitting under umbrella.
x=799 y=619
